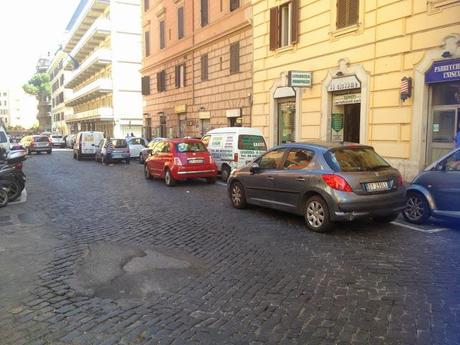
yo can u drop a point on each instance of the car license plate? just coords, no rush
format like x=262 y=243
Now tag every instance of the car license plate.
x=377 y=186
x=195 y=161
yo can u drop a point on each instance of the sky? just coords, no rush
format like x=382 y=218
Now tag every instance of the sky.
x=28 y=30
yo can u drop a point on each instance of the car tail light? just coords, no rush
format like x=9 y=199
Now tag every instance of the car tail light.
x=177 y=161
x=235 y=157
x=211 y=161
x=337 y=182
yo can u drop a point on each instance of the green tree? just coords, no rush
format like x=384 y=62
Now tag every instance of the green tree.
x=39 y=86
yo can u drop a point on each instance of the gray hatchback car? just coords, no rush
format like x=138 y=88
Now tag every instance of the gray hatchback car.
x=324 y=182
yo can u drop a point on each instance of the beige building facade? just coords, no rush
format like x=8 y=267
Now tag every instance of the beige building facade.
x=197 y=66
x=383 y=73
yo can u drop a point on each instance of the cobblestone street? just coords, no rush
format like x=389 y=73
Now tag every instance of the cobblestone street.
x=100 y=255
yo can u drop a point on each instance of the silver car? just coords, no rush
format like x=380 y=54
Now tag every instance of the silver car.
x=324 y=182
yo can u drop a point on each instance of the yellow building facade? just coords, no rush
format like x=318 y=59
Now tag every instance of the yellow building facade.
x=379 y=72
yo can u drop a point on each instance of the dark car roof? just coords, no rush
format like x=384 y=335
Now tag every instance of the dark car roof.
x=323 y=145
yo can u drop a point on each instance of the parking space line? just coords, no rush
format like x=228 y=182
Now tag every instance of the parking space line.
x=428 y=231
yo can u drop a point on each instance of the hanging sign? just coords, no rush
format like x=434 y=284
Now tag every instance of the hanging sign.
x=442 y=71
x=345 y=83
x=299 y=79
x=351 y=98
x=337 y=122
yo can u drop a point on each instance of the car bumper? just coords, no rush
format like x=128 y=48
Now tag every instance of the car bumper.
x=202 y=171
x=40 y=149
x=120 y=156
x=349 y=206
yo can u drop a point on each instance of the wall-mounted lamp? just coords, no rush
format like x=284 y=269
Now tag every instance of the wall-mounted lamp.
x=406 y=88
x=446 y=54
x=339 y=74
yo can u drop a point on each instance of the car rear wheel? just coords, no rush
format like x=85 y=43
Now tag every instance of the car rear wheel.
x=50 y=152
x=78 y=156
x=417 y=210
x=147 y=172
x=169 y=179
x=386 y=219
x=225 y=173
x=3 y=198
x=141 y=161
x=127 y=161
x=237 y=195
x=211 y=180
x=317 y=214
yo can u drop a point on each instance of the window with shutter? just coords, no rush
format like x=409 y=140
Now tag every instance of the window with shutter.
x=180 y=22
x=284 y=24
x=204 y=67
x=347 y=13
x=235 y=58
x=234 y=4
x=146 y=85
x=147 y=43
x=274 y=28
x=162 y=34
x=161 y=81
x=177 y=76
x=204 y=13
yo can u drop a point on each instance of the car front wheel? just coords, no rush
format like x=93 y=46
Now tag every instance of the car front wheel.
x=147 y=172
x=237 y=195
x=417 y=210
x=317 y=214
x=225 y=173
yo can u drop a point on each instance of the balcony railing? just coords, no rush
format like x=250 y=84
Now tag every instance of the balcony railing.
x=98 y=32
x=91 y=91
x=95 y=63
x=105 y=113
x=92 y=10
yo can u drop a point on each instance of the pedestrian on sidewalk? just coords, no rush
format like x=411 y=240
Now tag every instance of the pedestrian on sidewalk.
x=107 y=159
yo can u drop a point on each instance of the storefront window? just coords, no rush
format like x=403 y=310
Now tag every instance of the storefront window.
x=286 y=122
x=446 y=93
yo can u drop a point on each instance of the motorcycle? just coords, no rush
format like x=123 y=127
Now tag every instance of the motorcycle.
x=12 y=178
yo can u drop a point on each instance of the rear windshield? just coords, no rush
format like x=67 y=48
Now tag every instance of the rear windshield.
x=251 y=142
x=41 y=139
x=191 y=147
x=355 y=159
x=119 y=143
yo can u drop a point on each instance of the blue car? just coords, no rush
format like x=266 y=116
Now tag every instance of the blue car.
x=435 y=192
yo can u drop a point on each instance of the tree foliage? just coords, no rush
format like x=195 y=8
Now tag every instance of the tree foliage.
x=38 y=85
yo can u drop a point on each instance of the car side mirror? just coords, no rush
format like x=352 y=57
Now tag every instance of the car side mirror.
x=440 y=167
x=255 y=168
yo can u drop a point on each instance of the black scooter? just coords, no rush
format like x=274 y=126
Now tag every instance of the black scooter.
x=12 y=178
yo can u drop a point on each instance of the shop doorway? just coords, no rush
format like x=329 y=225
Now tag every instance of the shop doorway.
x=352 y=119
x=443 y=121
x=286 y=121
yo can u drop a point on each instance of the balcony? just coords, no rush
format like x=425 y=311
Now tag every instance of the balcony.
x=91 y=91
x=96 y=62
x=92 y=11
x=99 y=114
x=97 y=33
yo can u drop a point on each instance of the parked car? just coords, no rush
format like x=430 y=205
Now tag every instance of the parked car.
x=324 y=182
x=146 y=151
x=85 y=144
x=136 y=145
x=69 y=140
x=120 y=151
x=37 y=143
x=435 y=191
x=4 y=142
x=180 y=159
x=57 y=140
x=234 y=147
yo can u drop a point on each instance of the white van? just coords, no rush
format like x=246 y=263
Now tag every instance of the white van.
x=4 y=140
x=234 y=147
x=85 y=144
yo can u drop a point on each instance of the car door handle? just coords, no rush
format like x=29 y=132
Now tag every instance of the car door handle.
x=300 y=179
x=270 y=178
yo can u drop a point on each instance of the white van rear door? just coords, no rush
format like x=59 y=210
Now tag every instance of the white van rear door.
x=88 y=142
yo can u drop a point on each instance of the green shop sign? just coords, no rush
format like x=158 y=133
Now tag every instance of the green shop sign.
x=299 y=79
x=337 y=122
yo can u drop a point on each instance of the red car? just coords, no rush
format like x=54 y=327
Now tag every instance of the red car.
x=178 y=160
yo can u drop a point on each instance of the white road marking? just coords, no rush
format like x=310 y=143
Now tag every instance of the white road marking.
x=428 y=231
x=22 y=199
